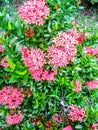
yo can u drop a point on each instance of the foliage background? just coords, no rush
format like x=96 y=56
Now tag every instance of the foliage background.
x=44 y=98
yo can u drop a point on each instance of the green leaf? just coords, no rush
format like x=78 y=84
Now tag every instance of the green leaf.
x=51 y=2
x=59 y=2
x=79 y=127
x=7 y=69
x=9 y=25
x=7 y=17
x=13 y=78
x=7 y=1
x=3 y=12
x=55 y=96
x=11 y=64
x=21 y=72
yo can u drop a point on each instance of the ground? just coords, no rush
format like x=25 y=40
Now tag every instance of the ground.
x=87 y=18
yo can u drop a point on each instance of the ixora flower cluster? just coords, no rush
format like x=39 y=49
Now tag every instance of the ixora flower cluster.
x=1 y=49
x=34 y=11
x=67 y=128
x=76 y=114
x=4 y=59
x=12 y=97
x=78 y=86
x=35 y=60
x=4 y=62
x=93 y=84
x=14 y=119
x=59 y=54
x=91 y=51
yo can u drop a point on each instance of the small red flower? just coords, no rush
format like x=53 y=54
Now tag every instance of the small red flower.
x=36 y=120
x=1 y=49
x=94 y=126
x=81 y=38
x=29 y=33
x=49 y=125
x=57 y=118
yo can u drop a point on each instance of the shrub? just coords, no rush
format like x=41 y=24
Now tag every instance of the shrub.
x=50 y=69
x=94 y=1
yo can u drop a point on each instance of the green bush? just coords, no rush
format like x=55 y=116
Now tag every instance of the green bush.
x=94 y=1
x=47 y=103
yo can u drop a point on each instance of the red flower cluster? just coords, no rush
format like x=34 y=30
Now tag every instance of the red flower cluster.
x=11 y=96
x=58 y=55
x=76 y=114
x=78 y=86
x=79 y=36
x=35 y=60
x=49 y=125
x=4 y=62
x=67 y=128
x=91 y=51
x=94 y=126
x=64 y=49
x=57 y=118
x=34 y=11
x=14 y=119
x=29 y=33
x=92 y=84
x=1 y=49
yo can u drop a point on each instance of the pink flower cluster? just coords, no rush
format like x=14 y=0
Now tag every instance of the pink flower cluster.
x=93 y=84
x=64 y=49
x=57 y=118
x=58 y=55
x=76 y=114
x=11 y=96
x=79 y=36
x=67 y=128
x=1 y=49
x=35 y=60
x=91 y=51
x=4 y=62
x=34 y=11
x=78 y=86
x=94 y=126
x=14 y=119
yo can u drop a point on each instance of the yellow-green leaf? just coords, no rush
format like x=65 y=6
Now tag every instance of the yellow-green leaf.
x=11 y=64
x=21 y=72
x=9 y=26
